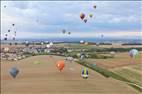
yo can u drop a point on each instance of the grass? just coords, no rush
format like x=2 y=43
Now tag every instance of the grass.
x=137 y=67
x=111 y=74
x=130 y=75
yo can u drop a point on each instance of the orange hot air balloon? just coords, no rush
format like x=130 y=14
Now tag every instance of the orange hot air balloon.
x=60 y=65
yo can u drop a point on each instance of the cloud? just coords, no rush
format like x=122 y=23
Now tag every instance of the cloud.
x=49 y=18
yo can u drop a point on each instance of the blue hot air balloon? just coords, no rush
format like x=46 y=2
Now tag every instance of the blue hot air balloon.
x=14 y=72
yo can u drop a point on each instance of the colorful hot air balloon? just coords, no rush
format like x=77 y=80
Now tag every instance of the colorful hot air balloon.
x=14 y=72
x=133 y=53
x=84 y=73
x=90 y=15
x=82 y=16
x=60 y=65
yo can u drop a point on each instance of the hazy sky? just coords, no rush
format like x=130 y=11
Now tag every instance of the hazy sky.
x=34 y=19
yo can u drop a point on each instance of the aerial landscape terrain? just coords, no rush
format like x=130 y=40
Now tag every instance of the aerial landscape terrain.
x=73 y=47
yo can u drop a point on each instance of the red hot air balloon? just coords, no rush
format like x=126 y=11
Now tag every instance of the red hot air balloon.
x=60 y=65
x=82 y=16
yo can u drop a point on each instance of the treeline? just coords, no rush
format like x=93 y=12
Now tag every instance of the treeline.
x=112 y=49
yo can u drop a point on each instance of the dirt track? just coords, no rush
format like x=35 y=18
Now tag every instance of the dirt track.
x=46 y=79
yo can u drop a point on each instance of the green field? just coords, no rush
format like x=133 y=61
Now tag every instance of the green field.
x=130 y=75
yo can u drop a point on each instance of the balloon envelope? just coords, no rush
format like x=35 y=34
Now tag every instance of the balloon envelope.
x=64 y=31
x=8 y=30
x=133 y=53
x=84 y=73
x=60 y=65
x=14 y=72
x=85 y=20
x=90 y=15
x=95 y=6
x=13 y=24
x=69 y=33
x=4 y=6
x=5 y=38
x=82 y=16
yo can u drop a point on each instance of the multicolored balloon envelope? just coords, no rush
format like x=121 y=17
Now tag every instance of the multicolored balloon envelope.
x=82 y=16
x=90 y=15
x=84 y=73
x=133 y=53
x=60 y=65
x=14 y=72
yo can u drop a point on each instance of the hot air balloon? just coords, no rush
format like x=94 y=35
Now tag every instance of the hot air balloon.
x=9 y=30
x=82 y=57
x=69 y=33
x=63 y=31
x=13 y=24
x=90 y=15
x=14 y=72
x=13 y=38
x=5 y=34
x=82 y=16
x=94 y=6
x=84 y=73
x=4 y=6
x=5 y=38
x=60 y=65
x=133 y=53
x=85 y=20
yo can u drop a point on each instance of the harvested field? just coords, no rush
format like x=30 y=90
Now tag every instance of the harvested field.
x=44 y=78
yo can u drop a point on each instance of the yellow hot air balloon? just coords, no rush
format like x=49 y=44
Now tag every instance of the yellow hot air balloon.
x=90 y=15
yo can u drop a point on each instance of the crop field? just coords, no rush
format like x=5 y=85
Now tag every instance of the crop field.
x=132 y=73
x=119 y=60
x=44 y=78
